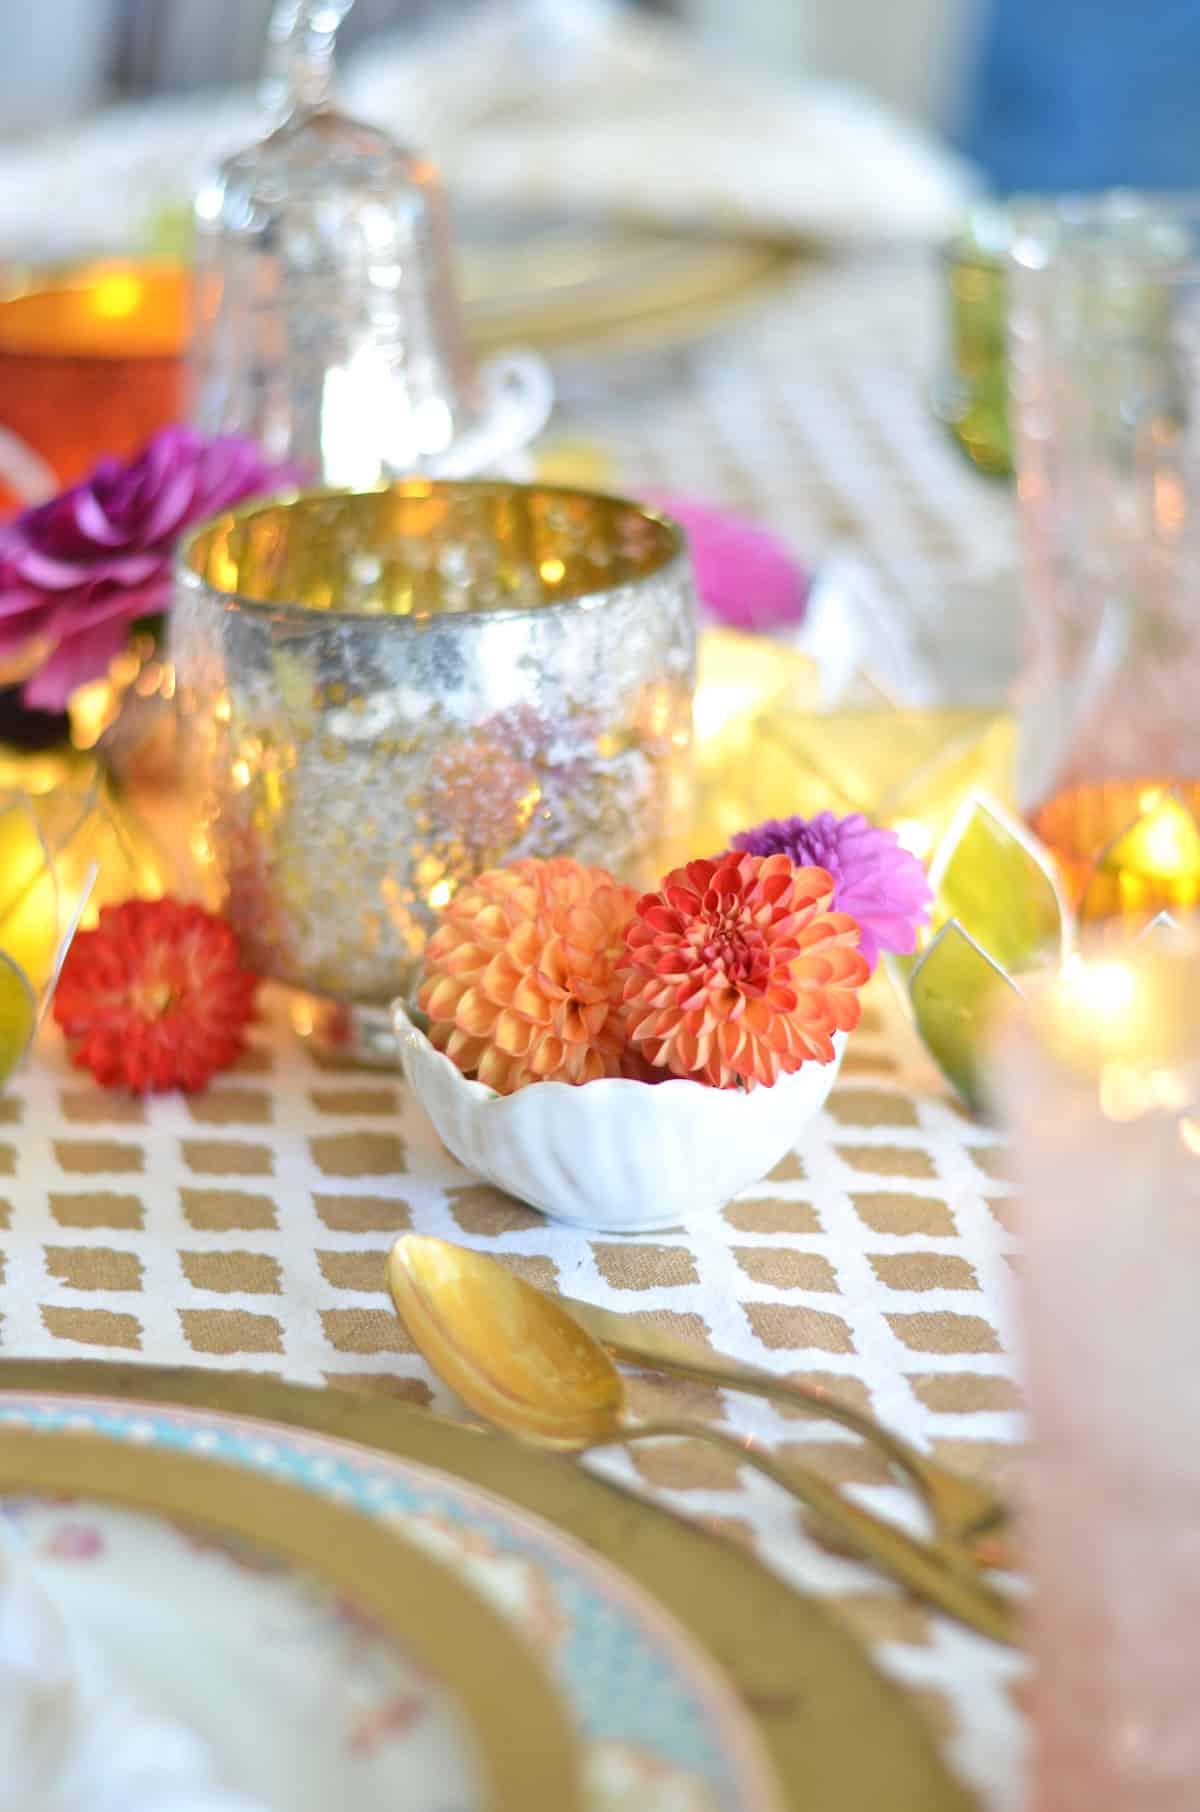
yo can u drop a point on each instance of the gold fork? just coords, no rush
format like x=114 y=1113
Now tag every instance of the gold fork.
x=964 y=1512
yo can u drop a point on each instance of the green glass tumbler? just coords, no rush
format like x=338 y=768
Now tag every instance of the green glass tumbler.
x=971 y=396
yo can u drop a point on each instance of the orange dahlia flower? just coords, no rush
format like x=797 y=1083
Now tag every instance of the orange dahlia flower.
x=737 y=972
x=520 y=975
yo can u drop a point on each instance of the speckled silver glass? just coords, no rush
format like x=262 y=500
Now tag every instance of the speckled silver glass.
x=383 y=692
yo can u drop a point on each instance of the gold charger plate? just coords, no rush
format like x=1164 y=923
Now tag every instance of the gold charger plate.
x=562 y=281
x=841 y=1738
x=527 y=1751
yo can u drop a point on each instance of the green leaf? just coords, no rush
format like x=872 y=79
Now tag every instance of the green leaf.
x=995 y=881
x=955 y=991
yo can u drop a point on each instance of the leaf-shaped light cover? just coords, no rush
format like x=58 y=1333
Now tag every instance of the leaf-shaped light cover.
x=1000 y=913
x=18 y=1015
x=63 y=853
x=954 y=990
x=741 y=680
x=998 y=883
x=31 y=929
x=997 y=915
x=908 y=769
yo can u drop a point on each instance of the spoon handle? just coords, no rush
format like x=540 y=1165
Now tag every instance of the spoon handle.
x=962 y=1509
x=939 y=1573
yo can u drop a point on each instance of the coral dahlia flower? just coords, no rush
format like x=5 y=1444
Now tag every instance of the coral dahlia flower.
x=520 y=980
x=737 y=972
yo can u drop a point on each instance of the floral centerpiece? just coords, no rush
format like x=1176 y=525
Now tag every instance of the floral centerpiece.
x=85 y=580
x=631 y=1062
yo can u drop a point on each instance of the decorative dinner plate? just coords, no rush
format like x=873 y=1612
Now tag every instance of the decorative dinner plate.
x=631 y=1651
x=320 y=1662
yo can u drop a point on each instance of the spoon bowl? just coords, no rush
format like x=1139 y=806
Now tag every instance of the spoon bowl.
x=511 y=1353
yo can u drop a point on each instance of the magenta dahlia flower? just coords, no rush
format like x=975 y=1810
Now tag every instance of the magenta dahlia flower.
x=876 y=880
x=77 y=571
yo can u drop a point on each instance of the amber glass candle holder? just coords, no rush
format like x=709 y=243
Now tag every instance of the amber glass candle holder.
x=91 y=364
x=1125 y=849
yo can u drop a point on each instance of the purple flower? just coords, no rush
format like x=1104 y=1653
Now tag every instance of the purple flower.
x=745 y=576
x=877 y=881
x=75 y=572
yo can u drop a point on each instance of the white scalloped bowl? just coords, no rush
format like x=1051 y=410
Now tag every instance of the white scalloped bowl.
x=614 y=1156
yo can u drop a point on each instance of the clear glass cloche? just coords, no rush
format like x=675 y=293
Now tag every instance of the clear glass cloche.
x=328 y=324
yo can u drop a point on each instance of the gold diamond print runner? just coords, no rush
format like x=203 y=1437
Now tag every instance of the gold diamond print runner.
x=247 y=1228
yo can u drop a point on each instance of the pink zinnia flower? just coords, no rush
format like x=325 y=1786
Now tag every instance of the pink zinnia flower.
x=77 y=571
x=744 y=574
x=877 y=881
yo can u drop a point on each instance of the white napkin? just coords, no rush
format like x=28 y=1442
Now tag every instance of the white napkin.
x=73 y=1739
x=563 y=104
x=589 y=104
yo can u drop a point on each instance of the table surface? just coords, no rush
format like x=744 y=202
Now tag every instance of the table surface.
x=246 y=1227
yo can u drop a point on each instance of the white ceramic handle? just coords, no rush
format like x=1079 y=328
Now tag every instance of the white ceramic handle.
x=25 y=471
x=525 y=388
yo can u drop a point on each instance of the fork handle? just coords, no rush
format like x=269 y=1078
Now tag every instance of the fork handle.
x=961 y=1508
x=933 y=1572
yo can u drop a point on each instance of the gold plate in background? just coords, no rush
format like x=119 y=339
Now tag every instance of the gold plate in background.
x=561 y=282
x=841 y=1737
x=527 y=1750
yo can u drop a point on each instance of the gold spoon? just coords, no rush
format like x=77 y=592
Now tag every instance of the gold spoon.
x=519 y=1360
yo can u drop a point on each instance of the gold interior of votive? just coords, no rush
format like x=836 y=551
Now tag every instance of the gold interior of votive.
x=423 y=548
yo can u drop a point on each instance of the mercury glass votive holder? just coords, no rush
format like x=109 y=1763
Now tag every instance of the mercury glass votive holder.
x=383 y=692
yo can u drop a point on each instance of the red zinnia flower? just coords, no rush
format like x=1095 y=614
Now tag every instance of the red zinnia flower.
x=155 y=997
x=737 y=973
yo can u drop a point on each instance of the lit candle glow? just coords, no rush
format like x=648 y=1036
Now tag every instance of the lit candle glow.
x=1127 y=849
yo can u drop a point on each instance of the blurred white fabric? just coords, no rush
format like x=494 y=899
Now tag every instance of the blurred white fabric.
x=72 y=1739
x=567 y=104
x=586 y=103
x=950 y=639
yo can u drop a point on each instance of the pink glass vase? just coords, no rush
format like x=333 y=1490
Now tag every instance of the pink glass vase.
x=1102 y=1080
